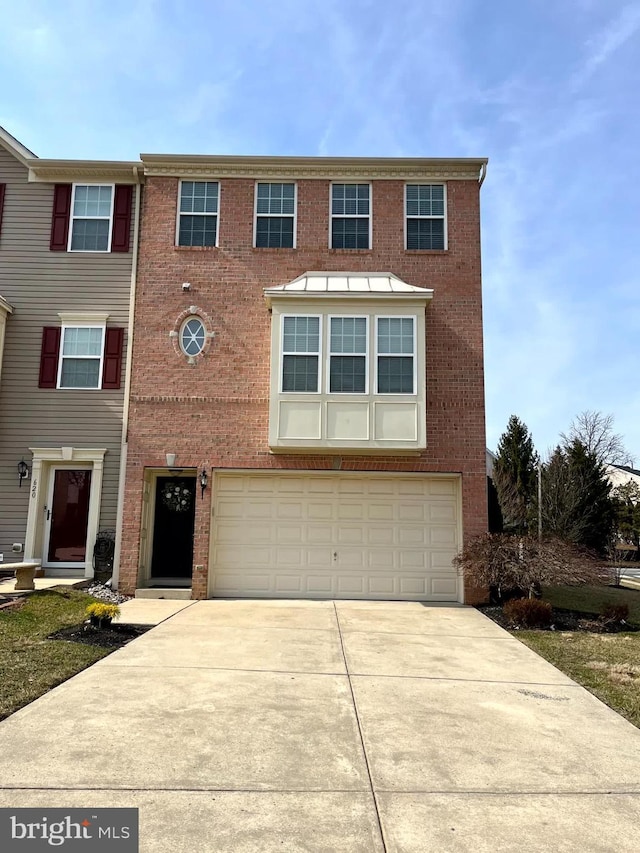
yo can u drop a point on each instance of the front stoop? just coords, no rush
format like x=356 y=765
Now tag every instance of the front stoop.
x=182 y=594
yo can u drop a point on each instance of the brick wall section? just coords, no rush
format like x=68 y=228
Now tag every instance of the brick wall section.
x=215 y=413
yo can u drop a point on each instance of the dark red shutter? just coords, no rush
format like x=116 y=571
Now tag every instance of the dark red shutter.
x=121 y=218
x=2 y=189
x=49 y=357
x=112 y=365
x=60 y=217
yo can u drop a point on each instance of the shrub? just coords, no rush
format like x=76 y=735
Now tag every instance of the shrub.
x=526 y=563
x=528 y=612
x=101 y=610
x=615 y=614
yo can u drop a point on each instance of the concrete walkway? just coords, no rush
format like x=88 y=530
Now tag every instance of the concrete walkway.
x=250 y=727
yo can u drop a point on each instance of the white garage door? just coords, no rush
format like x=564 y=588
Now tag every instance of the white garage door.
x=335 y=536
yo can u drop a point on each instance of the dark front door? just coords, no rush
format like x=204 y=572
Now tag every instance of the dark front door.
x=172 y=555
x=67 y=518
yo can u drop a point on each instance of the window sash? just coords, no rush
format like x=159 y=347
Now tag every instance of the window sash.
x=294 y=356
x=198 y=214
x=394 y=349
x=90 y=222
x=425 y=208
x=351 y=217
x=71 y=363
x=275 y=215
x=348 y=369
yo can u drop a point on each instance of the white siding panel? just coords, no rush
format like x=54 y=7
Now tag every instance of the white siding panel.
x=39 y=283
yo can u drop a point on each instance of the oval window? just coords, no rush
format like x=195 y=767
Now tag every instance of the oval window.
x=192 y=337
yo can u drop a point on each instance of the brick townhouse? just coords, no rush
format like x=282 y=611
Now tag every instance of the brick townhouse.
x=307 y=400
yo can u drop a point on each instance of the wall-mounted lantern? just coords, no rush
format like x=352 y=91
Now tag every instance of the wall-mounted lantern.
x=204 y=479
x=23 y=471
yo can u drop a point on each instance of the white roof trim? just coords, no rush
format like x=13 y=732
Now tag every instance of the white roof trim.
x=5 y=307
x=347 y=284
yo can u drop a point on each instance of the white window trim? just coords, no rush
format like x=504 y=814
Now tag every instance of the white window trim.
x=368 y=216
x=293 y=216
x=430 y=216
x=85 y=321
x=329 y=353
x=283 y=317
x=182 y=327
x=413 y=319
x=72 y=218
x=178 y=214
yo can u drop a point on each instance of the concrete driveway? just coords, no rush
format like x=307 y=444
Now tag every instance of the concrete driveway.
x=245 y=726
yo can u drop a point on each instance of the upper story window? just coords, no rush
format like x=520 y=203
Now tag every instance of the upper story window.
x=82 y=353
x=348 y=355
x=350 y=216
x=301 y=354
x=198 y=213
x=396 y=358
x=425 y=213
x=346 y=349
x=81 y=357
x=91 y=218
x=275 y=216
x=192 y=336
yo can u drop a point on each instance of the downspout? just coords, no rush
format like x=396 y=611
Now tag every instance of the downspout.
x=127 y=383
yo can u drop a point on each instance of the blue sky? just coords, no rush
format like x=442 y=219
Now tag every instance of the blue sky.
x=548 y=91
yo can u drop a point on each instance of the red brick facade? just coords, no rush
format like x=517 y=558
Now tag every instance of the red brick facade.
x=215 y=413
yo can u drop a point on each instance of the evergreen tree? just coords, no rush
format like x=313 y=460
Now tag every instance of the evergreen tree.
x=515 y=478
x=576 y=498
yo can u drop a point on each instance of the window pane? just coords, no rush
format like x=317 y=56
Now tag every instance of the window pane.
x=274 y=232
x=425 y=233
x=300 y=373
x=80 y=373
x=82 y=341
x=348 y=334
x=347 y=374
x=395 y=375
x=350 y=234
x=301 y=334
x=92 y=201
x=90 y=235
x=425 y=200
x=192 y=338
x=350 y=199
x=395 y=335
x=199 y=197
x=276 y=198
x=197 y=230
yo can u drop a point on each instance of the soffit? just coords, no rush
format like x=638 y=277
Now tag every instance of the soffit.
x=74 y=171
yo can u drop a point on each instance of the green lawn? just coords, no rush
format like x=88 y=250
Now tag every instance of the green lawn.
x=591 y=599
x=606 y=664
x=30 y=665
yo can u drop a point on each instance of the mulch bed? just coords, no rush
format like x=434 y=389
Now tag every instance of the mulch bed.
x=112 y=637
x=562 y=620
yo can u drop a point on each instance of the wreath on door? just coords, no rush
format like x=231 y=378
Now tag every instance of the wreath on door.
x=177 y=497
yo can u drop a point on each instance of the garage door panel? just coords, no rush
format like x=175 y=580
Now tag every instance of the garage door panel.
x=442 y=513
x=335 y=536
x=319 y=511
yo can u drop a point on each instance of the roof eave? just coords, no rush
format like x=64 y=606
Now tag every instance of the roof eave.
x=68 y=171
x=363 y=168
x=271 y=295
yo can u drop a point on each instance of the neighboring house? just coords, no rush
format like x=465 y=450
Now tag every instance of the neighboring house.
x=66 y=261
x=307 y=400
x=620 y=475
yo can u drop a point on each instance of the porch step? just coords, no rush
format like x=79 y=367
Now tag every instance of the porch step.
x=181 y=594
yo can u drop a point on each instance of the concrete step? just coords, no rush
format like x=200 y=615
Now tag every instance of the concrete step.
x=175 y=593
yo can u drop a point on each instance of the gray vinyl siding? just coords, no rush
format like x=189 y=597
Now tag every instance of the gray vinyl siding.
x=38 y=284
